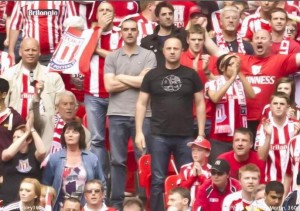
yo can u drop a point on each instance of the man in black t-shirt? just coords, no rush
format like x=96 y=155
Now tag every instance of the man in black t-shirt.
x=173 y=88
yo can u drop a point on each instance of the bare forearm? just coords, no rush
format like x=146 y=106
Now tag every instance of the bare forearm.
x=249 y=91
x=132 y=81
x=13 y=37
x=13 y=149
x=201 y=118
x=114 y=85
x=140 y=116
x=263 y=151
x=102 y=52
x=38 y=142
x=216 y=96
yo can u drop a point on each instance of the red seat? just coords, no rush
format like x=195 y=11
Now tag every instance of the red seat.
x=144 y=173
x=170 y=183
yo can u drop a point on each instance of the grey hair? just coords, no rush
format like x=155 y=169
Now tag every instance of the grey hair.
x=62 y=94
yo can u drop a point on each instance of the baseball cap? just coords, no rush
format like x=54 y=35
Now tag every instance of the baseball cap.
x=204 y=143
x=221 y=165
x=195 y=9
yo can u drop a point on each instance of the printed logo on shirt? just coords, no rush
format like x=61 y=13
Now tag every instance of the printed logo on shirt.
x=256 y=69
x=27 y=95
x=213 y=200
x=171 y=83
x=24 y=166
x=49 y=12
x=276 y=147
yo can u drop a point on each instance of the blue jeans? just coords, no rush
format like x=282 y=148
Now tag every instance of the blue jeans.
x=96 y=109
x=161 y=147
x=121 y=128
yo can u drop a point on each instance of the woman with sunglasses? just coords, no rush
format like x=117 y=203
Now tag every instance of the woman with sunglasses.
x=228 y=95
x=69 y=169
x=29 y=193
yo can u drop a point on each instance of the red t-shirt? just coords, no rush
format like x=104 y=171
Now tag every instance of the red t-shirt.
x=286 y=46
x=236 y=165
x=262 y=74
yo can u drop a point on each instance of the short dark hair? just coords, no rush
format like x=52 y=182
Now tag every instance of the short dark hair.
x=162 y=4
x=277 y=9
x=133 y=200
x=274 y=186
x=72 y=199
x=244 y=131
x=281 y=95
x=4 y=85
x=127 y=20
x=183 y=192
x=77 y=127
x=196 y=29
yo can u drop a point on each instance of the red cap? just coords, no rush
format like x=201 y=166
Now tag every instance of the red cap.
x=204 y=143
x=194 y=9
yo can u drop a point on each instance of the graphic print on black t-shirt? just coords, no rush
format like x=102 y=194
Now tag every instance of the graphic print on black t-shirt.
x=171 y=83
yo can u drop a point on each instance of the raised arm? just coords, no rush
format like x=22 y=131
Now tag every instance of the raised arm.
x=263 y=150
x=14 y=148
x=40 y=152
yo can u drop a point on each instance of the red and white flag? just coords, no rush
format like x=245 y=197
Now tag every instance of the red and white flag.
x=74 y=51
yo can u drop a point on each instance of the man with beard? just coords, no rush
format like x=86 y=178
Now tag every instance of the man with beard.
x=164 y=12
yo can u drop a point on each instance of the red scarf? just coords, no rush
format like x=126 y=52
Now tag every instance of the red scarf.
x=58 y=127
x=222 y=44
x=227 y=120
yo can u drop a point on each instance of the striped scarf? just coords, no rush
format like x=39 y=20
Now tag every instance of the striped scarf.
x=228 y=117
x=222 y=44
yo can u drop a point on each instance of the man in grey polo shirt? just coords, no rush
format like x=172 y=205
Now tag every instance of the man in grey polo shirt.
x=124 y=71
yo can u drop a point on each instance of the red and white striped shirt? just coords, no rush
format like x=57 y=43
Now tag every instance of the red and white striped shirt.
x=87 y=10
x=42 y=20
x=181 y=12
x=276 y=163
x=294 y=158
x=235 y=202
x=27 y=92
x=94 y=79
x=145 y=26
x=252 y=24
x=2 y=16
x=191 y=182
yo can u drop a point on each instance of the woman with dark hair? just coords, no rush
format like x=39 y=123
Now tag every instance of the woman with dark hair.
x=21 y=159
x=286 y=85
x=228 y=95
x=68 y=170
x=29 y=193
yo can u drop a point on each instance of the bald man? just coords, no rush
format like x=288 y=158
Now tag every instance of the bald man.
x=262 y=71
x=24 y=76
x=172 y=89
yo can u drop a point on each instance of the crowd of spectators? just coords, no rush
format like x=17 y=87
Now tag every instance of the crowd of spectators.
x=214 y=85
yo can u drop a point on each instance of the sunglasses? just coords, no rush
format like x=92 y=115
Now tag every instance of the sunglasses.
x=93 y=190
x=213 y=173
